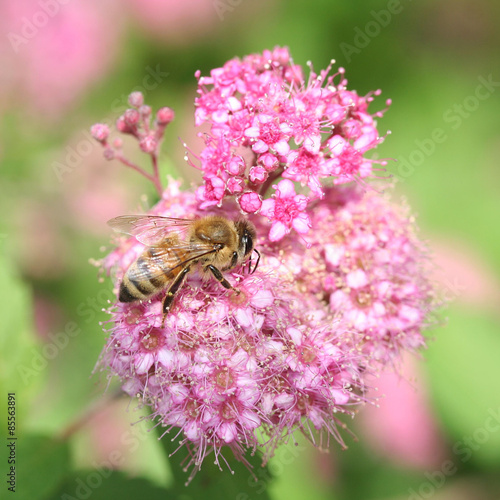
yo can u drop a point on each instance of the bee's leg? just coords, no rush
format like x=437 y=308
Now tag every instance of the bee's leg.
x=169 y=297
x=220 y=278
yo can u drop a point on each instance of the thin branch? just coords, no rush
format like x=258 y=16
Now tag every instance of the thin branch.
x=139 y=170
x=91 y=411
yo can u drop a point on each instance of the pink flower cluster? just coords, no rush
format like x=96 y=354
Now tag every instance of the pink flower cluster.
x=296 y=347
x=372 y=272
x=267 y=122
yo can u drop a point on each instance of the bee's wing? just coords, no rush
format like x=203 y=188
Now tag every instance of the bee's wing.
x=149 y=229
x=164 y=258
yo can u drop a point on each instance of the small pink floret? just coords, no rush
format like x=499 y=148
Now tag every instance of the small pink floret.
x=100 y=132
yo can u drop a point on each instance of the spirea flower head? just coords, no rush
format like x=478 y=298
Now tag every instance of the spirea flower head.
x=266 y=118
x=340 y=289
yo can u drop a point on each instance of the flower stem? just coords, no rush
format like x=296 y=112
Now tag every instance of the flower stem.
x=156 y=173
x=154 y=179
x=91 y=411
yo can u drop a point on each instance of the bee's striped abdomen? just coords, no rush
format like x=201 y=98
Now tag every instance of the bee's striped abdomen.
x=149 y=274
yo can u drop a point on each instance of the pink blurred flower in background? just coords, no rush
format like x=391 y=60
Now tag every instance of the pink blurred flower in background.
x=53 y=52
x=47 y=316
x=92 y=194
x=174 y=21
x=41 y=232
x=402 y=427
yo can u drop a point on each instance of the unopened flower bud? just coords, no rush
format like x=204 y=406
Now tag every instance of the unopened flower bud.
x=136 y=99
x=235 y=185
x=258 y=175
x=122 y=126
x=250 y=202
x=109 y=154
x=236 y=165
x=145 y=110
x=148 y=144
x=132 y=117
x=269 y=162
x=99 y=131
x=165 y=115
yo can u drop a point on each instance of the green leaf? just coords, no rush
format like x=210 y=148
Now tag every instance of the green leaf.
x=104 y=484
x=17 y=343
x=363 y=475
x=15 y=310
x=42 y=464
x=464 y=369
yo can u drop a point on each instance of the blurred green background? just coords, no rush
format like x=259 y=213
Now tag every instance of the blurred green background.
x=66 y=65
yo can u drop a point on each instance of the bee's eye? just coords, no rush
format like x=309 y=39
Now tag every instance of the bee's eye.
x=248 y=242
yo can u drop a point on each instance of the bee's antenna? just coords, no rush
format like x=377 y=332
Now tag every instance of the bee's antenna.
x=258 y=260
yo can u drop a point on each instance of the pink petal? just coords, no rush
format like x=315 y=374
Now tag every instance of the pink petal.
x=340 y=397
x=409 y=314
x=367 y=140
x=267 y=403
x=264 y=118
x=284 y=400
x=220 y=116
x=356 y=279
x=285 y=128
x=333 y=254
x=249 y=419
x=244 y=316
x=278 y=230
x=301 y=223
x=178 y=393
x=227 y=432
x=338 y=300
x=192 y=431
x=313 y=143
x=262 y=298
x=295 y=334
x=144 y=363
x=252 y=132
x=300 y=201
x=285 y=189
x=281 y=147
x=337 y=145
x=240 y=357
x=260 y=147
x=267 y=208
x=165 y=357
x=234 y=104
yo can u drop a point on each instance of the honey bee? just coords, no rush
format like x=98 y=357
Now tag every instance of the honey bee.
x=175 y=247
